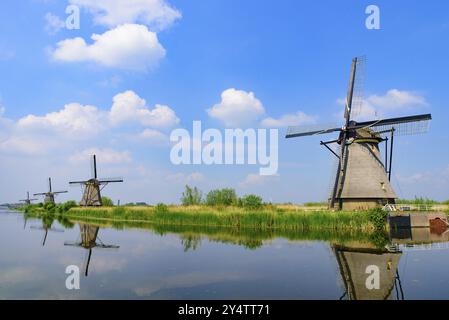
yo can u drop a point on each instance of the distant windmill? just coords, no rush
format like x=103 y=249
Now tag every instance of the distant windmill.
x=50 y=195
x=93 y=187
x=362 y=180
x=27 y=201
x=88 y=241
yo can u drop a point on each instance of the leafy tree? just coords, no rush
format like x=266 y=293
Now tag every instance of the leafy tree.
x=191 y=196
x=107 y=202
x=68 y=205
x=251 y=201
x=225 y=197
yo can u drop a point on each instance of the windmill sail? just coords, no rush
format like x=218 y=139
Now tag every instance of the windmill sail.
x=311 y=130
x=402 y=126
x=358 y=96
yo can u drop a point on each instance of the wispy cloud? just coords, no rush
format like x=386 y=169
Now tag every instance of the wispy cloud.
x=393 y=102
x=53 y=24
x=298 y=118
x=157 y=14
x=108 y=156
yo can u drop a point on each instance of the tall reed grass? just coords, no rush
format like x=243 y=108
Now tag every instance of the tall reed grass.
x=234 y=217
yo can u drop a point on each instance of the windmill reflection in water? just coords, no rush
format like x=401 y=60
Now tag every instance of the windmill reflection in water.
x=47 y=222
x=88 y=239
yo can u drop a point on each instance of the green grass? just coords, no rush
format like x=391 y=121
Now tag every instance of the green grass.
x=271 y=218
x=419 y=201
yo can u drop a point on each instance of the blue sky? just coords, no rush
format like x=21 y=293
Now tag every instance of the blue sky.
x=294 y=57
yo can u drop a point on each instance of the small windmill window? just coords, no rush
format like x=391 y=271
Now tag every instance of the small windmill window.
x=382 y=185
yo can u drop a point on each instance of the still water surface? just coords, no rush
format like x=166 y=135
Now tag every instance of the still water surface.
x=152 y=263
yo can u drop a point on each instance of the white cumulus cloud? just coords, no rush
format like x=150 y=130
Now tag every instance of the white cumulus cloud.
x=128 y=46
x=77 y=124
x=154 y=137
x=237 y=108
x=28 y=145
x=128 y=106
x=108 y=156
x=157 y=14
x=74 y=119
x=286 y=120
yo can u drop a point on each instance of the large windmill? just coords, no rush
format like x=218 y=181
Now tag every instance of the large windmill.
x=354 y=262
x=49 y=196
x=362 y=180
x=27 y=201
x=93 y=187
x=88 y=241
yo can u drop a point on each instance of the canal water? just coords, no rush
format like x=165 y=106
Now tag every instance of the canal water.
x=160 y=262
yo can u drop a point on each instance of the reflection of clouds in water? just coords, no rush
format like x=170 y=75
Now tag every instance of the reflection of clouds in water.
x=106 y=264
x=18 y=275
x=143 y=247
x=98 y=262
x=283 y=243
x=192 y=279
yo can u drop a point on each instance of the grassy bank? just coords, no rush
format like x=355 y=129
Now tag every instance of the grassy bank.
x=234 y=217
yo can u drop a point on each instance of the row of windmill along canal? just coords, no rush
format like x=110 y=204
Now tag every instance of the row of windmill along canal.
x=362 y=178
x=91 y=189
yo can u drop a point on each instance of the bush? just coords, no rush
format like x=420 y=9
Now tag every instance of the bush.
x=107 y=202
x=378 y=218
x=191 y=196
x=223 y=197
x=251 y=201
x=161 y=208
x=68 y=205
x=379 y=239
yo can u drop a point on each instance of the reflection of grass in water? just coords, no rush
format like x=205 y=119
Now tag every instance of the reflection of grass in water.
x=48 y=218
x=250 y=238
x=235 y=217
